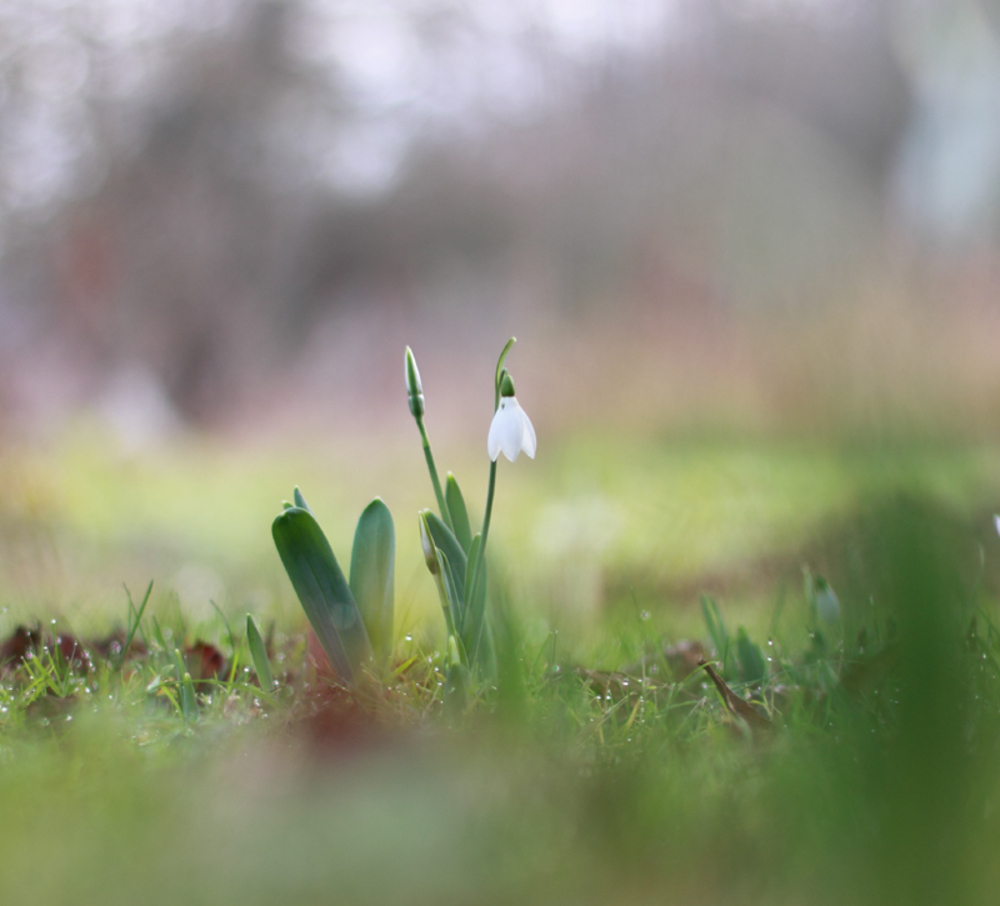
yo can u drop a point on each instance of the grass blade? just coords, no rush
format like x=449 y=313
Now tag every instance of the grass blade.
x=133 y=626
x=258 y=654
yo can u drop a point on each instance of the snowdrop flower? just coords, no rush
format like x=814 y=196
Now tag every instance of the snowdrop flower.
x=511 y=431
x=996 y=522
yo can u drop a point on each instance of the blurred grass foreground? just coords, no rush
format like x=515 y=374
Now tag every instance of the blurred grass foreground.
x=744 y=602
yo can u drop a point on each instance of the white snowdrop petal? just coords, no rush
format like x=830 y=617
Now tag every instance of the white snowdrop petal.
x=530 y=443
x=493 y=441
x=511 y=430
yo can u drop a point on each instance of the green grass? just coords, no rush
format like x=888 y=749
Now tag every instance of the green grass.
x=588 y=771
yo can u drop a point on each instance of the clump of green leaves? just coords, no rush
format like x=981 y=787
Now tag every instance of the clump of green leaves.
x=353 y=620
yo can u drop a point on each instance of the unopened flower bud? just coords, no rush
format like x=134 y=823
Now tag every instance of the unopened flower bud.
x=414 y=389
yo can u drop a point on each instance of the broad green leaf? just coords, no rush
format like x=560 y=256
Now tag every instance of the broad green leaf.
x=258 y=653
x=475 y=552
x=322 y=590
x=752 y=668
x=373 y=575
x=459 y=514
x=445 y=541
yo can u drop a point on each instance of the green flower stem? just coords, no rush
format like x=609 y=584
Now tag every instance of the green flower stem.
x=429 y=456
x=491 y=490
x=477 y=570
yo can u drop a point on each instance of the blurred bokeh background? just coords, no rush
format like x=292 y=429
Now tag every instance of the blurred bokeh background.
x=222 y=220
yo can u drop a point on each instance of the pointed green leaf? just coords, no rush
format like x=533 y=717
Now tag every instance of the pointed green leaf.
x=300 y=501
x=133 y=627
x=445 y=541
x=459 y=514
x=752 y=668
x=373 y=575
x=322 y=590
x=258 y=653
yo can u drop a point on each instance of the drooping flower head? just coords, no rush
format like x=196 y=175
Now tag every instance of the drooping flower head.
x=511 y=430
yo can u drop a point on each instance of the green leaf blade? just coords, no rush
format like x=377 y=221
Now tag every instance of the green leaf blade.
x=459 y=513
x=373 y=559
x=445 y=541
x=322 y=590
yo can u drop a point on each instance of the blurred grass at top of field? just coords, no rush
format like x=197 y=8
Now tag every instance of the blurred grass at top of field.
x=631 y=518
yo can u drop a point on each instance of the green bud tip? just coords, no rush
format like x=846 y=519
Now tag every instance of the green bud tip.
x=414 y=388
x=506 y=385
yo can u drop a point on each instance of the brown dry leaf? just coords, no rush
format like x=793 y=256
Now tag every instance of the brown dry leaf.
x=736 y=705
x=204 y=661
x=15 y=648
